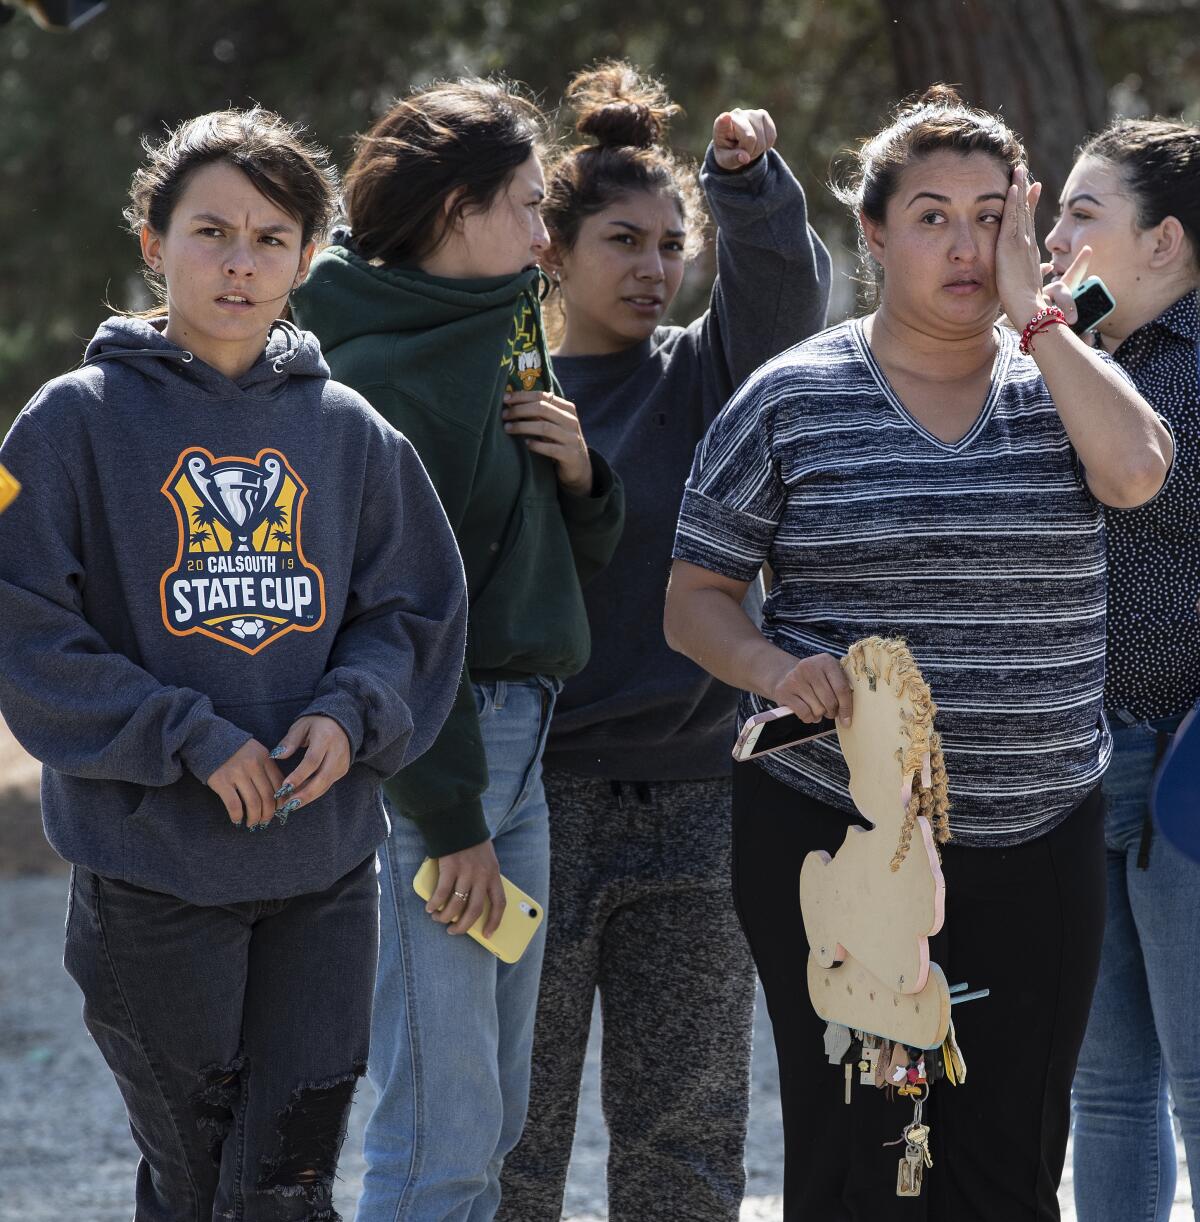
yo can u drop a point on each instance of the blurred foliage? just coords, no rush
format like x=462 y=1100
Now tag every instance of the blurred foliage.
x=74 y=107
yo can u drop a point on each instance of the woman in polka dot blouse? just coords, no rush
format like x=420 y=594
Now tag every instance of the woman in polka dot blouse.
x=1133 y=197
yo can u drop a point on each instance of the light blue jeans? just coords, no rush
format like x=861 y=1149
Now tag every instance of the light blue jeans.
x=1143 y=1035
x=452 y=1030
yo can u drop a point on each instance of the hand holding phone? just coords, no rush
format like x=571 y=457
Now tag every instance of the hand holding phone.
x=817 y=684
x=1093 y=304
x=466 y=879
x=519 y=922
x=1090 y=297
x=814 y=687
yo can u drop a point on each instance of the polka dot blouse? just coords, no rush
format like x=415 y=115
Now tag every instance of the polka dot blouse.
x=1154 y=550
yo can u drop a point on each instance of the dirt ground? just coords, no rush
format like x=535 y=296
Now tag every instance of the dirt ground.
x=23 y=848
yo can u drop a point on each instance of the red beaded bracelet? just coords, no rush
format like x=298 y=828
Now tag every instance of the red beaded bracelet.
x=1041 y=321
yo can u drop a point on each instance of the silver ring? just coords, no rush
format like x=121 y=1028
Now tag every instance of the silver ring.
x=462 y=895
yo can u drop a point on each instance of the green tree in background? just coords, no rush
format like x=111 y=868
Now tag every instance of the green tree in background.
x=73 y=108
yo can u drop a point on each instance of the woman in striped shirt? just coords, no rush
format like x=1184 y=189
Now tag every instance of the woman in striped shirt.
x=913 y=473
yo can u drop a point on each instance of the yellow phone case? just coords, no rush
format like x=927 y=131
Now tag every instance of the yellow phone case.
x=522 y=915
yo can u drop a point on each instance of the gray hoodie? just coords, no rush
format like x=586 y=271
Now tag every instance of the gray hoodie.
x=195 y=561
x=639 y=711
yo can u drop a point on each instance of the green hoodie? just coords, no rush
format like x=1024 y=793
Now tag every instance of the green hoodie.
x=435 y=358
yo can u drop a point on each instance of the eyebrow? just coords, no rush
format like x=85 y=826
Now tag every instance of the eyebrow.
x=945 y=199
x=1082 y=195
x=670 y=233
x=222 y=223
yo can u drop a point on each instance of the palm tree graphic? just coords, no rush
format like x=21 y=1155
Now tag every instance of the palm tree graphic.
x=203 y=517
x=277 y=516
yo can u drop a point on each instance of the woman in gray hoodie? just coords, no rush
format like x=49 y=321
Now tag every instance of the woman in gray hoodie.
x=232 y=603
x=638 y=762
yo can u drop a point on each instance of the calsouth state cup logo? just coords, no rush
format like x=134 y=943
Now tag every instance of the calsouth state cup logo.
x=240 y=576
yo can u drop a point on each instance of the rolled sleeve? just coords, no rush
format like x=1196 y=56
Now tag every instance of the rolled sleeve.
x=735 y=496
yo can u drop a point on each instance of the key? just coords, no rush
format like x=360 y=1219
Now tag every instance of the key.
x=918 y=1138
x=910 y=1173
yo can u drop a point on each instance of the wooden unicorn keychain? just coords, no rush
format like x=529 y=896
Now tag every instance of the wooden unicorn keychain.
x=870 y=910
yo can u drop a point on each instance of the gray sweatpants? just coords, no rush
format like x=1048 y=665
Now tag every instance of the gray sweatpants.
x=640 y=908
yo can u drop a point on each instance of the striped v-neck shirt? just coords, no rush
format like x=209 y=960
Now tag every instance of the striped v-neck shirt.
x=985 y=554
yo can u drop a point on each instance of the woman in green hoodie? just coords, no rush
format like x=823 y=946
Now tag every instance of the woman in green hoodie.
x=429 y=306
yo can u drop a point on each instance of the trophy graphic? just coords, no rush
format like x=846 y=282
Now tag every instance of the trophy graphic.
x=238 y=493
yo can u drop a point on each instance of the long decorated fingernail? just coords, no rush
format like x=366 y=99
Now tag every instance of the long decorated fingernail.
x=278 y=752
x=287 y=809
x=282 y=792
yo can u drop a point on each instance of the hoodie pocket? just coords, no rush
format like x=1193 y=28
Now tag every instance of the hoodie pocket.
x=267 y=720
x=180 y=839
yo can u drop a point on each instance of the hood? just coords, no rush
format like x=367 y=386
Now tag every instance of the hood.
x=140 y=343
x=346 y=297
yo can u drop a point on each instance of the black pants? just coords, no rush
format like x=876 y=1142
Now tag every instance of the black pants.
x=1024 y=921
x=236 y=1034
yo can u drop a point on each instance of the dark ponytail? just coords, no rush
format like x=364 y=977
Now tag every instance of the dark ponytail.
x=467 y=136
x=1159 y=160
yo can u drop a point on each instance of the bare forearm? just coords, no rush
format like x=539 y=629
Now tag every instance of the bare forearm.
x=711 y=628
x=1122 y=444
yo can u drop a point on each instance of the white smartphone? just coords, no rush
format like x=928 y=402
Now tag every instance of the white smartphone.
x=775 y=730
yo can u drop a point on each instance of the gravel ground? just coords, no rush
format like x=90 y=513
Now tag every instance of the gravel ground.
x=65 y=1150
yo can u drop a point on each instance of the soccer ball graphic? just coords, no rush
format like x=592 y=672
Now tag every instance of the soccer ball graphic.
x=248 y=629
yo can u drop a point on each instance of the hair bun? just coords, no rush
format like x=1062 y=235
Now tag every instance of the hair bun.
x=938 y=94
x=618 y=107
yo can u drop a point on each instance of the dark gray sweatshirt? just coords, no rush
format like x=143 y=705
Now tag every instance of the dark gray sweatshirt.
x=193 y=562
x=640 y=711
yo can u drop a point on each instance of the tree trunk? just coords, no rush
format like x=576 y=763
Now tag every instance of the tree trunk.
x=1029 y=60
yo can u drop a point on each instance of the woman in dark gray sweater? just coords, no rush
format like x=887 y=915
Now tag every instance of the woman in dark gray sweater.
x=638 y=763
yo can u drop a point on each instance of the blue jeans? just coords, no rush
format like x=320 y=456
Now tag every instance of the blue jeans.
x=452 y=1031
x=1144 y=1031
